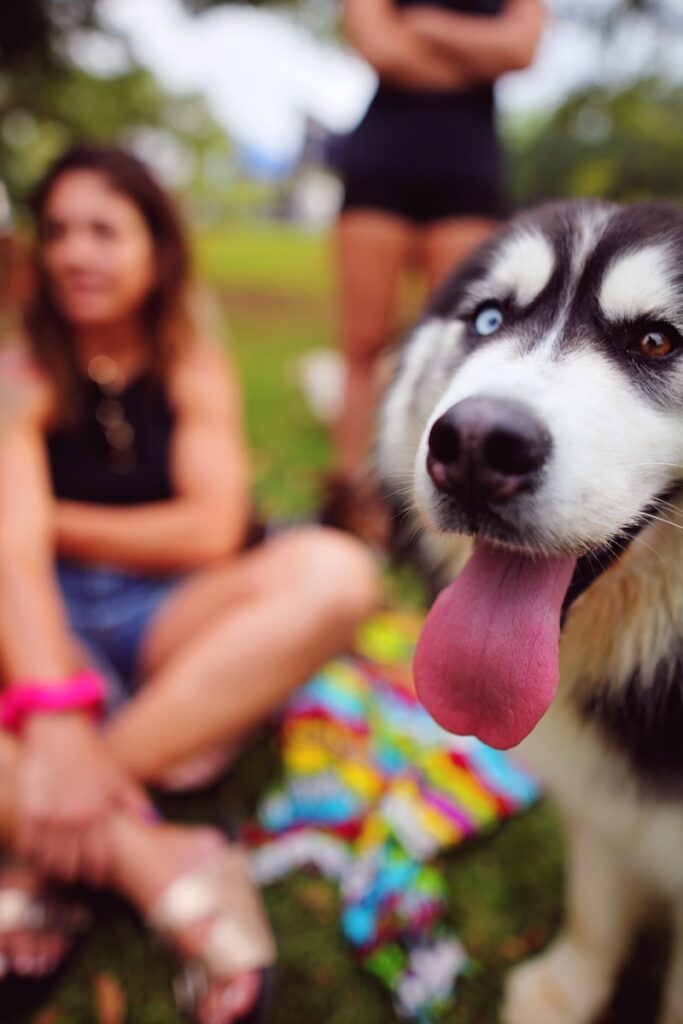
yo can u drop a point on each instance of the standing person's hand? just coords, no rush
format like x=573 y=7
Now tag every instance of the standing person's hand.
x=67 y=785
x=487 y=45
x=426 y=21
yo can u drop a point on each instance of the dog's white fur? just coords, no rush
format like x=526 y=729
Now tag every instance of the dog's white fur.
x=523 y=266
x=617 y=443
x=639 y=283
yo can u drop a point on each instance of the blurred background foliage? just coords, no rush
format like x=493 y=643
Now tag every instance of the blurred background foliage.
x=625 y=145
x=48 y=100
x=624 y=142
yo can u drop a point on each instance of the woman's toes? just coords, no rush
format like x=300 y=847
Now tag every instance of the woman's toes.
x=33 y=954
x=21 y=951
x=22 y=959
x=229 y=1003
x=54 y=950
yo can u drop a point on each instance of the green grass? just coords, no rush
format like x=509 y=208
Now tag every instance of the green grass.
x=268 y=259
x=273 y=287
x=505 y=890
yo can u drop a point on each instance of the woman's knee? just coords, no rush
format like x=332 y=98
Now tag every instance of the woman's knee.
x=332 y=572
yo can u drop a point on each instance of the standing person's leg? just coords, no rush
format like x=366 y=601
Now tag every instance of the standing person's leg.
x=446 y=243
x=372 y=249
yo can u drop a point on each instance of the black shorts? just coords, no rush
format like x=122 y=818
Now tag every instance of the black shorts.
x=423 y=202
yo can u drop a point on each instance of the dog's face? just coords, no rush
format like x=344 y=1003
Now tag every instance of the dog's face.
x=540 y=402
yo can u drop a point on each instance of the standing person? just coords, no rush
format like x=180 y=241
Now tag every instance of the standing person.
x=423 y=181
x=126 y=578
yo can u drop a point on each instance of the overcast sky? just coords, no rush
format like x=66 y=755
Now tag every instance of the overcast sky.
x=261 y=73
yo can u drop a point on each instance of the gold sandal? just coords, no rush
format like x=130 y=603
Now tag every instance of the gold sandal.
x=43 y=911
x=239 y=938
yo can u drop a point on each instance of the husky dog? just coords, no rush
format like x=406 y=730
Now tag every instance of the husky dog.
x=538 y=410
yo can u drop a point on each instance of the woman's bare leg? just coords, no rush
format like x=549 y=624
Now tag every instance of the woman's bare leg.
x=145 y=859
x=372 y=250
x=444 y=244
x=227 y=648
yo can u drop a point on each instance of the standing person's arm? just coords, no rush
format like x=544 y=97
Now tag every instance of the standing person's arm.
x=488 y=46
x=398 y=53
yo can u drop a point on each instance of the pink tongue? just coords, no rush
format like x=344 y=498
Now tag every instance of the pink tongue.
x=487 y=663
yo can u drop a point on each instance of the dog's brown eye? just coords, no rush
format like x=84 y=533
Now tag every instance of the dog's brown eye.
x=655 y=345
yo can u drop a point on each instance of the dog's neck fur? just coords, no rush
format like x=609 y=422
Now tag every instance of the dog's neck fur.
x=633 y=615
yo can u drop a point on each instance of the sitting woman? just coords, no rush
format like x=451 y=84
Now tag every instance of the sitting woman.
x=124 y=519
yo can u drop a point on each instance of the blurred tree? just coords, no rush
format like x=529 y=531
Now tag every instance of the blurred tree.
x=622 y=141
x=42 y=113
x=619 y=137
x=47 y=100
x=605 y=14
x=30 y=29
x=623 y=145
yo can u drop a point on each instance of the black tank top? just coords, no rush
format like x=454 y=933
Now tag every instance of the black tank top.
x=85 y=467
x=445 y=136
x=460 y=6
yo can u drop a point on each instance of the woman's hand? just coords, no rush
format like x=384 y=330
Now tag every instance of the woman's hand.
x=67 y=786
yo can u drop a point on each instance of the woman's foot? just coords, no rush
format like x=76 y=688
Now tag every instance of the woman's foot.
x=36 y=925
x=191 y=886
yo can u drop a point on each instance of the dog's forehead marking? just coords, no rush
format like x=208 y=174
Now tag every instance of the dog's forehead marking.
x=637 y=284
x=523 y=265
x=588 y=228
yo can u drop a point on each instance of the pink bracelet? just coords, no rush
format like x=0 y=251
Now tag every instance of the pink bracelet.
x=84 y=691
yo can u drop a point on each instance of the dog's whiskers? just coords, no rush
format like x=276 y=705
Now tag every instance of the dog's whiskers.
x=652 y=517
x=403 y=493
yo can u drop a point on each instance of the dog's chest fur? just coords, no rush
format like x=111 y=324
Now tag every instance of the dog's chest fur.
x=622 y=658
x=610 y=749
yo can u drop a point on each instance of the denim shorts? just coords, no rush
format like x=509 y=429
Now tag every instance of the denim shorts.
x=109 y=612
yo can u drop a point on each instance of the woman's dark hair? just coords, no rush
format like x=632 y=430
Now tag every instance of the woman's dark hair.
x=165 y=314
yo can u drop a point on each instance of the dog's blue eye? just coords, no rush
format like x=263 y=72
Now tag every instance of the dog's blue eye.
x=488 y=320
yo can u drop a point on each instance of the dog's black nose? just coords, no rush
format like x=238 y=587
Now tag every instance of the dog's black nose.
x=487 y=449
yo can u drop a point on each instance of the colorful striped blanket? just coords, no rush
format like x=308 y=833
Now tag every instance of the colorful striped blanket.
x=373 y=789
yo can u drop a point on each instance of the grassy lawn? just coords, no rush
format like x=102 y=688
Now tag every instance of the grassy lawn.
x=273 y=287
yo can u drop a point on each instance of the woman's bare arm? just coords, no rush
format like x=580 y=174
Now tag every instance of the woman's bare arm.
x=488 y=46
x=34 y=637
x=207 y=519
x=66 y=783
x=399 y=54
